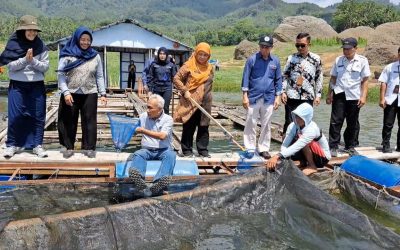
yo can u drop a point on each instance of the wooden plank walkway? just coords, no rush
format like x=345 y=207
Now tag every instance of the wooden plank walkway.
x=80 y=169
x=238 y=115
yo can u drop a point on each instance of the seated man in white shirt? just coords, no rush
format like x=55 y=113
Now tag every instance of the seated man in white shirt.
x=156 y=130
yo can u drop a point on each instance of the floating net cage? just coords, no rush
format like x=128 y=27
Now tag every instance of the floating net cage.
x=122 y=129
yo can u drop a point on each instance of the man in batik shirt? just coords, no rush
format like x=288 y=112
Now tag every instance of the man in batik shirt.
x=302 y=78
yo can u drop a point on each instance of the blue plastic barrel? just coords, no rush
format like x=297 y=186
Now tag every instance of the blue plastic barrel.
x=379 y=172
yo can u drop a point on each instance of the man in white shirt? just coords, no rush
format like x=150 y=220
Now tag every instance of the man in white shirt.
x=389 y=94
x=348 y=88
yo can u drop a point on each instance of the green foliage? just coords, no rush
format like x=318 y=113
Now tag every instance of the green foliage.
x=243 y=29
x=353 y=13
x=53 y=28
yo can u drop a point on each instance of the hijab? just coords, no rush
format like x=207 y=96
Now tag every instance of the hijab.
x=159 y=61
x=72 y=48
x=199 y=72
x=18 y=45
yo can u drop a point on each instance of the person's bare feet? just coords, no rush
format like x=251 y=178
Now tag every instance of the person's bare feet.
x=309 y=170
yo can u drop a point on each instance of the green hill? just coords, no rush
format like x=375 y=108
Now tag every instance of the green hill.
x=225 y=21
x=180 y=19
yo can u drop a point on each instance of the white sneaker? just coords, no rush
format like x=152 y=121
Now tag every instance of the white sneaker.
x=9 y=151
x=40 y=152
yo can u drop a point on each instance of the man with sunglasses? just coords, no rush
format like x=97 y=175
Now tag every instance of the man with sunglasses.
x=348 y=88
x=302 y=78
x=262 y=87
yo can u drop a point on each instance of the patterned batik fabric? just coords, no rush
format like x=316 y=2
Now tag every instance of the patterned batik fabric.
x=303 y=77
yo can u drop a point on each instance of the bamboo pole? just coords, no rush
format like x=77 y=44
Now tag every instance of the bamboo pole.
x=216 y=122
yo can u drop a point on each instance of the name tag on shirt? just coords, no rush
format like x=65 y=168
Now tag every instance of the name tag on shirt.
x=340 y=68
x=300 y=80
x=272 y=66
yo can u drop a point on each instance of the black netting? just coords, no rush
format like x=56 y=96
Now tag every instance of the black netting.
x=258 y=210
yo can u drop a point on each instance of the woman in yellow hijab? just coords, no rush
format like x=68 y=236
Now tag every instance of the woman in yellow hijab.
x=194 y=80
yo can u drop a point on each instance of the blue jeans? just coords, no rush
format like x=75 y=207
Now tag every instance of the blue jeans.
x=167 y=157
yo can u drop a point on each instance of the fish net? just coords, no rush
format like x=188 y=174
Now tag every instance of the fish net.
x=122 y=129
x=255 y=210
x=380 y=200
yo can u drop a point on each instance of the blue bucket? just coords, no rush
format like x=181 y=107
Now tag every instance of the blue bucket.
x=382 y=173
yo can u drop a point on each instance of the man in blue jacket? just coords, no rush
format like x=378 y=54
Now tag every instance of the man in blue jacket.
x=262 y=89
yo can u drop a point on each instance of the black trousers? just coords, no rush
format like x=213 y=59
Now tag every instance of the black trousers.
x=131 y=80
x=202 y=138
x=389 y=116
x=291 y=105
x=68 y=116
x=166 y=95
x=341 y=110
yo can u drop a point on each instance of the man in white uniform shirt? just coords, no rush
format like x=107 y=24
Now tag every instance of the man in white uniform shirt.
x=348 y=88
x=389 y=94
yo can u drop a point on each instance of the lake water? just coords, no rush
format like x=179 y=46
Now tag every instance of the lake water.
x=371 y=120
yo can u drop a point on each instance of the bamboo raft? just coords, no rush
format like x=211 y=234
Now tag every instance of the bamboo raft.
x=79 y=168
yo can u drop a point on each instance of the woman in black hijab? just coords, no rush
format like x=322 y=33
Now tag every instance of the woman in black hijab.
x=159 y=78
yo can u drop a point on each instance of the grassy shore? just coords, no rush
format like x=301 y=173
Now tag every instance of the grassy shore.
x=228 y=79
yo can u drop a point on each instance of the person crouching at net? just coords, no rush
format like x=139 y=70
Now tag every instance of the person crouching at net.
x=304 y=141
x=156 y=130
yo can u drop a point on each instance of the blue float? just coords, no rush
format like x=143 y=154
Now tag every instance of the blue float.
x=379 y=172
x=182 y=168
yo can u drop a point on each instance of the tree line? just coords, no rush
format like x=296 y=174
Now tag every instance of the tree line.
x=354 y=13
x=53 y=28
x=348 y=14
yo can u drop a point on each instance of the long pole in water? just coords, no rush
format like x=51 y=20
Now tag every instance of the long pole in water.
x=216 y=122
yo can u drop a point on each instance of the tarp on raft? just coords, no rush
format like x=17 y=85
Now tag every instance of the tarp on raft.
x=258 y=210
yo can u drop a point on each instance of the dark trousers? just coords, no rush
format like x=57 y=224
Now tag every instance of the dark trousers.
x=389 y=116
x=68 y=116
x=341 y=110
x=26 y=114
x=291 y=105
x=202 y=138
x=131 y=80
x=166 y=95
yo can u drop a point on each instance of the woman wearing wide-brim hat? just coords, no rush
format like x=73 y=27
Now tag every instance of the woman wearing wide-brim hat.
x=27 y=59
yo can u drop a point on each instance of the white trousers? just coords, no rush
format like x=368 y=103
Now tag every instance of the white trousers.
x=264 y=112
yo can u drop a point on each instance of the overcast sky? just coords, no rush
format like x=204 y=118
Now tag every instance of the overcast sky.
x=325 y=3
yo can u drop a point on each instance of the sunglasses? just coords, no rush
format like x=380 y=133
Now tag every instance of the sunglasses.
x=300 y=45
x=265 y=46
